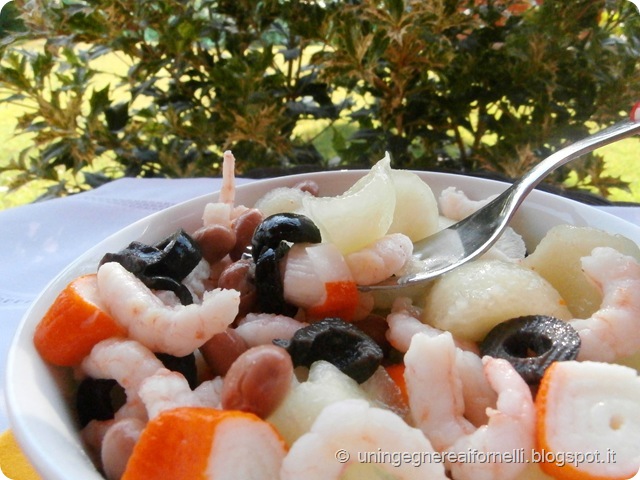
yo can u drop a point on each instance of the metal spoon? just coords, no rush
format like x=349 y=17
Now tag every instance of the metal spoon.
x=475 y=234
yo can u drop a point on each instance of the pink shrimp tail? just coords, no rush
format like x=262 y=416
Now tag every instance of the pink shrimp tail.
x=228 y=190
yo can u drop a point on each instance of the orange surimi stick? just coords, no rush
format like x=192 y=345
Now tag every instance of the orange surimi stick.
x=317 y=278
x=74 y=323
x=341 y=301
x=588 y=421
x=396 y=372
x=195 y=443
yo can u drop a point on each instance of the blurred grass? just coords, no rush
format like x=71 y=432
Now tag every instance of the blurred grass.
x=623 y=160
x=10 y=148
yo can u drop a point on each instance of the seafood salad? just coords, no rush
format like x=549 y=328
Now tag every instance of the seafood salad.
x=249 y=349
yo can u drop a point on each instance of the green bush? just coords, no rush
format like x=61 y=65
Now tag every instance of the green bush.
x=441 y=84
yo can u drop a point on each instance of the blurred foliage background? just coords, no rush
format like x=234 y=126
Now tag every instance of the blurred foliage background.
x=102 y=89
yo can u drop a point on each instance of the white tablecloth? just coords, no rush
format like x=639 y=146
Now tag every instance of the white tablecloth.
x=37 y=241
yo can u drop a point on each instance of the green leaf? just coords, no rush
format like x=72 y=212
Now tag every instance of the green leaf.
x=338 y=142
x=290 y=54
x=151 y=35
x=16 y=97
x=36 y=127
x=95 y=180
x=100 y=100
x=187 y=31
x=42 y=65
x=396 y=8
x=117 y=116
x=10 y=21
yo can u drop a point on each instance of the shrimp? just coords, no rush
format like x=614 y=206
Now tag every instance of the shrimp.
x=113 y=359
x=110 y=442
x=613 y=331
x=381 y=259
x=117 y=446
x=126 y=361
x=209 y=392
x=166 y=389
x=440 y=412
x=345 y=431
x=133 y=408
x=317 y=279
x=404 y=322
x=262 y=328
x=177 y=330
x=511 y=427
x=215 y=215
x=477 y=391
x=223 y=211
x=455 y=205
x=228 y=190
x=92 y=435
x=198 y=279
x=307 y=270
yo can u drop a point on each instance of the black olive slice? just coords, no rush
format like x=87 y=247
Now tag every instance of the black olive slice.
x=94 y=400
x=269 y=288
x=136 y=257
x=185 y=365
x=339 y=343
x=287 y=227
x=162 y=266
x=166 y=283
x=531 y=344
x=180 y=255
x=269 y=244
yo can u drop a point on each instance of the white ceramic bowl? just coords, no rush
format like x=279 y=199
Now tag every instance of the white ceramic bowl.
x=38 y=395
